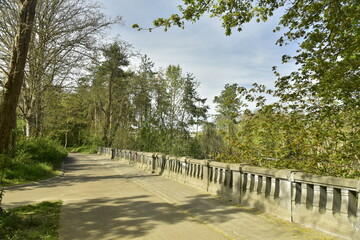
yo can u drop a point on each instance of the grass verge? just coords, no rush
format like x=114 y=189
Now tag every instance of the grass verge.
x=31 y=222
x=33 y=160
x=22 y=173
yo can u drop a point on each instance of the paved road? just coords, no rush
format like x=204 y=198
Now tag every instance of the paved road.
x=104 y=199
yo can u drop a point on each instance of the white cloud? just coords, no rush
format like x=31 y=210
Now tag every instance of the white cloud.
x=201 y=48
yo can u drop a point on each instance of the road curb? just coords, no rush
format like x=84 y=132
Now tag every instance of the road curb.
x=61 y=174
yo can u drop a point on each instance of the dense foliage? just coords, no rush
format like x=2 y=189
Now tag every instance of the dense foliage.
x=34 y=159
x=143 y=109
x=323 y=141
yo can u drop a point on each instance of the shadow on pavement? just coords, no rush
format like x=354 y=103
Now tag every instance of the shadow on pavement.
x=133 y=217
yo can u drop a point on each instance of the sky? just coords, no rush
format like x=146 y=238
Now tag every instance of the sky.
x=202 y=48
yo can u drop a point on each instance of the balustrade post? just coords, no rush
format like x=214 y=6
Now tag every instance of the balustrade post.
x=116 y=154
x=316 y=201
x=206 y=175
x=190 y=170
x=263 y=186
x=168 y=166
x=200 y=171
x=256 y=182
x=272 y=187
x=122 y=155
x=112 y=153
x=344 y=201
x=329 y=198
x=153 y=163
x=221 y=176
x=357 y=223
x=184 y=169
x=303 y=193
x=216 y=175
x=227 y=173
x=142 y=160
x=236 y=184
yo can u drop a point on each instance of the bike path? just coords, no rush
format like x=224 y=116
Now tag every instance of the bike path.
x=104 y=199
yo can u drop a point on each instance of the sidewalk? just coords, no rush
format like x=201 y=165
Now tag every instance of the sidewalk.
x=104 y=199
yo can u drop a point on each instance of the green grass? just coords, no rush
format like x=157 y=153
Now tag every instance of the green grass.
x=31 y=222
x=20 y=173
x=34 y=160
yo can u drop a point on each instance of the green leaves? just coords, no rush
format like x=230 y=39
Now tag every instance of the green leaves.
x=233 y=13
x=299 y=133
x=327 y=33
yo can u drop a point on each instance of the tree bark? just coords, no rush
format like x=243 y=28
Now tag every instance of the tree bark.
x=12 y=87
x=66 y=139
x=108 y=113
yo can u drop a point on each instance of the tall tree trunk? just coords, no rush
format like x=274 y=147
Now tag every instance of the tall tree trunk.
x=15 y=79
x=66 y=139
x=28 y=109
x=108 y=113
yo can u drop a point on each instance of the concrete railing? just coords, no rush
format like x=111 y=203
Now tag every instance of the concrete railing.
x=327 y=204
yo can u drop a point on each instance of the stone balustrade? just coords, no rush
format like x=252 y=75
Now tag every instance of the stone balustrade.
x=327 y=204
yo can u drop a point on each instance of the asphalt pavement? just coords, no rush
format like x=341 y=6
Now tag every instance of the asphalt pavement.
x=104 y=199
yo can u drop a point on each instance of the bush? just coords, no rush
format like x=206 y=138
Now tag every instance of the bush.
x=33 y=160
x=40 y=150
x=19 y=172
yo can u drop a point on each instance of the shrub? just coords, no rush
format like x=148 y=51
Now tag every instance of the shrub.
x=40 y=150
x=34 y=159
x=19 y=172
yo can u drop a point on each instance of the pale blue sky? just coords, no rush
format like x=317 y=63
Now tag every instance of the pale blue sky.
x=202 y=48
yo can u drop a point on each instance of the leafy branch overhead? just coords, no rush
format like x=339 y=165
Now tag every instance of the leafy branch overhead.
x=327 y=34
x=315 y=125
x=174 y=19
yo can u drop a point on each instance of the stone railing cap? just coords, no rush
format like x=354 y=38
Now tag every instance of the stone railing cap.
x=259 y=170
x=328 y=181
x=218 y=164
x=181 y=159
x=194 y=160
x=235 y=166
x=147 y=154
x=172 y=157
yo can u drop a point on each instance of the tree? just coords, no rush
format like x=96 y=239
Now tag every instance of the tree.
x=143 y=101
x=327 y=34
x=15 y=75
x=210 y=141
x=323 y=89
x=229 y=105
x=143 y=89
x=328 y=52
x=182 y=108
x=111 y=81
x=67 y=115
x=64 y=38
x=195 y=110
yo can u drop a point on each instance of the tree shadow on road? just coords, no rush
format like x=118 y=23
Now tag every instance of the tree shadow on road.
x=140 y=216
